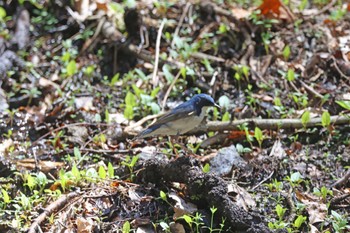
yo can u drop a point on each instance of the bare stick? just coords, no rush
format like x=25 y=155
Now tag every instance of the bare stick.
x=159 y=37
x=269 y=124
x=52 y=208
x=187 y=6
x=169 y=89
x=342 y=180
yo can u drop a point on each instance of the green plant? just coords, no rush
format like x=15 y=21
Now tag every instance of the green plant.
x=299 y=221
x=126 y=227
x=195 y=220
x=32 y=93
x=279 y=224
x=295 y=179
x=258 y=136
x=275 y=186
x=130 y=163
x=286 y=52
x=344 y=104
x=242 y=71
x=164 y=197
x=339 y=222
x=323 y=192
x=326 y=119
x=241 y=149
x=206 y=168
x=305 y=118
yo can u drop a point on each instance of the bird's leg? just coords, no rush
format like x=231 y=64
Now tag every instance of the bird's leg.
x=172 y=138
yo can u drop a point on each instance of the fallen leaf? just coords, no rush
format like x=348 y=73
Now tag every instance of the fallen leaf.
x=316 y=209
x=243 y=198
x=84 y=225
x=181 y=207
x=277 y=150
x=269 y=7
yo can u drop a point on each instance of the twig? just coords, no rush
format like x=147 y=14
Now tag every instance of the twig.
x=310 y=89
x=339 y=71
x=169 y=89
x=187 y=6
x=131 y=128
x=338 y=199
x=342 y=180
x=324 y=9
x=52 y=208
x=159 y=37
x=200 y=55
x=67 y=126
x=263 y=181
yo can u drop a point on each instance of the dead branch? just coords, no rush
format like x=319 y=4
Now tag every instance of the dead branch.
x=342 y=180
x=52 y=208
x=268 y=124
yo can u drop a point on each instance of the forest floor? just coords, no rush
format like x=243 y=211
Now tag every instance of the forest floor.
x=80 y=79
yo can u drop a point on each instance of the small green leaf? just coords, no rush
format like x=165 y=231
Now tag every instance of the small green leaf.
x=206 y=168
x=167 y=73
x=305 y=118
x=245 y=71
x=107 y=119
x=126 y=227
x=299 y=221
x=208 y=66
x=226 y=117
x=154 y=92
x=326 y=119
x=137 y=90
x=134 y=161
x=286 y=52
x=2 y=13
x=187 y=219
x=77 y=153
x=5 y=196
x=75 y=172
x=115 y=79
x=102 y=172
x=71 y=68
x=258 y=135
x=110 y=170
x=129 y=112
x=183 y=71
x=163 y=196
x=155 y=108
x=130 y=99
x=290 y=75
x=31 y=181
x=344 y=104
x=296 y=177
x=280 y=211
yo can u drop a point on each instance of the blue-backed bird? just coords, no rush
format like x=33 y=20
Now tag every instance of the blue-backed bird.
x=182 y=118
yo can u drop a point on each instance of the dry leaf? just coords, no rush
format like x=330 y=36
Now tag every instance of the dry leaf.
x=270 y=7
x=181 y=207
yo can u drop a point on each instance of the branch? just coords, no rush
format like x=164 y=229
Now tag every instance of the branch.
x=52 y=208
x=269 y=124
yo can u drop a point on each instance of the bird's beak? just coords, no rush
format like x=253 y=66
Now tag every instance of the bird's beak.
x=216 y=105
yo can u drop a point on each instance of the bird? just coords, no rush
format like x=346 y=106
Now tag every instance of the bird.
x=181 y=119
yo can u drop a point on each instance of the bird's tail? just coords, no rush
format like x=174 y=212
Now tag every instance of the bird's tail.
x=147 y=132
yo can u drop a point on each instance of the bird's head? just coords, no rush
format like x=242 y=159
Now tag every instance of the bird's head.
x=203 y=100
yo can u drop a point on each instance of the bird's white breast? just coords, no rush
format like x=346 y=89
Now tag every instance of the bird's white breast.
x=180 y=126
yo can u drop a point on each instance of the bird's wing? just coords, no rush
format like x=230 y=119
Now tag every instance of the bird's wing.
x=177 y=113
